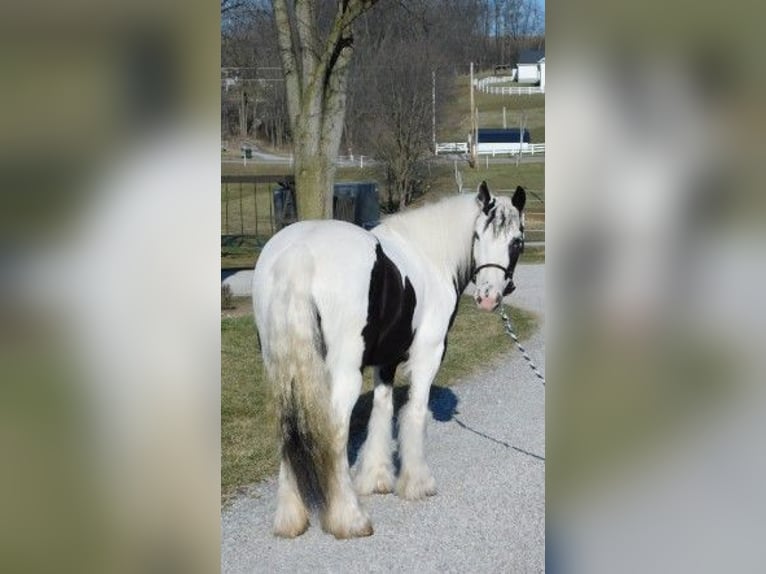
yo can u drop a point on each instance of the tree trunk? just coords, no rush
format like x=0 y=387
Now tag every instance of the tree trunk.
x=314 y=178
x=317 y=132
x=316 y=78
x=243 y=114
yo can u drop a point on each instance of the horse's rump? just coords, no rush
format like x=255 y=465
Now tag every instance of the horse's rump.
x=294 y=359
x=307 y=299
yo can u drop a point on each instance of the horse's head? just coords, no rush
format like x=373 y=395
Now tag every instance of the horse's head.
x=498 y=240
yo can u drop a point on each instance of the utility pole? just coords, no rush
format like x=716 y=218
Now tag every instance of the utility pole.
x=243 y=113
x=473 y=123
x=476 y=135
x=433 y=109
x=522 y=125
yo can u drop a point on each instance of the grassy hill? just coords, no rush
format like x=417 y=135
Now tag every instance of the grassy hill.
x=457 y=122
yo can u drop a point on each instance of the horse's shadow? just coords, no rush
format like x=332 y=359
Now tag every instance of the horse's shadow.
x=442 y=403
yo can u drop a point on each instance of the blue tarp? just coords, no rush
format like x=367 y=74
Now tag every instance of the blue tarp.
x=499 y=135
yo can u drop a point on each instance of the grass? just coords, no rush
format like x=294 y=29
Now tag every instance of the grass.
x=533 y=255
x=248 y=424
x=241 y=253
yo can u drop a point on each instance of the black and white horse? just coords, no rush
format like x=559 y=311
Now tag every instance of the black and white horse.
x=330 y=299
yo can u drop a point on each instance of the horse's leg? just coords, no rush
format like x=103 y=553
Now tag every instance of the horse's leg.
x=415 y=478
x=342 y=515
x=292 y=517
x=375 y=470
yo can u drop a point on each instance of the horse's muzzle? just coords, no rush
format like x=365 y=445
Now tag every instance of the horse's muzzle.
x=488 y=303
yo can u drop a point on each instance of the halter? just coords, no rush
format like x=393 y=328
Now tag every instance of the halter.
x=509 y=288
x=507 y=271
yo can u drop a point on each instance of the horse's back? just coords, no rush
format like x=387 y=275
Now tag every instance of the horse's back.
x=337 y=255
x=333 y=246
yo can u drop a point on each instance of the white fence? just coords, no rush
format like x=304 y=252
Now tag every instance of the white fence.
x=514 y=90
x=485 y=85
x=512 y=149
x=451 y=147
x=354 y=161
x=359 y=161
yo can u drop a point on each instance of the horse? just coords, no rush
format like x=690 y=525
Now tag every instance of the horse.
x=330 y=299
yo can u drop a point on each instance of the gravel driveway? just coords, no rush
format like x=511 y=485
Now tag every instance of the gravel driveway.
x=486 y=448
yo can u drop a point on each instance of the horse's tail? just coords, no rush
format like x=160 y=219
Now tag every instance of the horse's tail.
x=295 y=363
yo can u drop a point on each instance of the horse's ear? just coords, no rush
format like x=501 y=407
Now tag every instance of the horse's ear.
x=519 y=198
x=484 y=198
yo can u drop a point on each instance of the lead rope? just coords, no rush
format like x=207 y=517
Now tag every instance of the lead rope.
x=509 y=330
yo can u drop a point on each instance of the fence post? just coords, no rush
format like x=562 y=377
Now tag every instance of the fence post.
x=227 y=208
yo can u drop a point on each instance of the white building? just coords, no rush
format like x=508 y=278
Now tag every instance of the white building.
x=528 y=68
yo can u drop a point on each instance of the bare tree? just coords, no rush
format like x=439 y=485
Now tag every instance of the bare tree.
x=402 y=123
x=252 y=98
x=519 y=21
x=391 y=105
x=315 y=60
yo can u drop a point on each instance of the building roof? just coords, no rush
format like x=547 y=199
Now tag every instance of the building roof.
x=531 y=56
x=500 y=135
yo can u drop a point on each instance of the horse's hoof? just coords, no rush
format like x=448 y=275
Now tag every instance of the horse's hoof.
x=354 y=526
x=416 y=487
x=290 y=528
x=381 y=482
x=356 y=532
x=292 y=517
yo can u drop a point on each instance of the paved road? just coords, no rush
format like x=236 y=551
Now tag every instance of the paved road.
x=486 y=448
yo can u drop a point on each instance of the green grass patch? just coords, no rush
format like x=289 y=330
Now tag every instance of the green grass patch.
x=248 y=423
x=255 y=167
x=501 y=177
x=240 y=252
x=477 y=339
x=533 y=255
x=456 y=122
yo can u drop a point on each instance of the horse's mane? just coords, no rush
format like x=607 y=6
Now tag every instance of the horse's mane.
x=505 y=213
x=442 y=231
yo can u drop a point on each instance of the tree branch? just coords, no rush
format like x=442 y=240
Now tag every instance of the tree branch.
x=340 y=37
x=293 y=81
x=305 y=24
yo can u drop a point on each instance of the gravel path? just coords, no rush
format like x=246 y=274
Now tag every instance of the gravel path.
x=486 y=448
